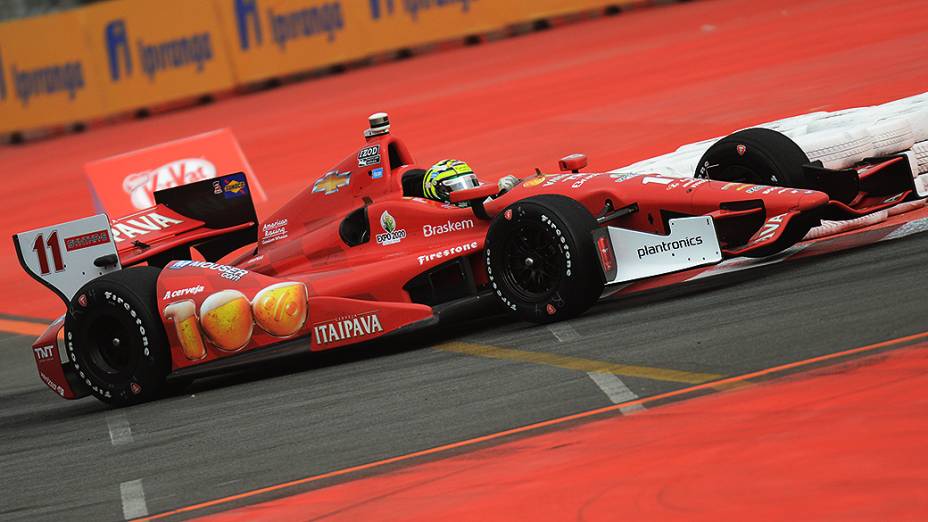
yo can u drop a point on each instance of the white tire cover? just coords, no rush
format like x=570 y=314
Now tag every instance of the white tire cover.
x=891 y=136
x=837 y=149
x=918 y=120
x=698 y=148
x=787 y=125
x=921 y=156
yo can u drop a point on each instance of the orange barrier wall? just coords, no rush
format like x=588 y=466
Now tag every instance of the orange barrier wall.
x=147 y=52
x=122 y=55
x=43 y=79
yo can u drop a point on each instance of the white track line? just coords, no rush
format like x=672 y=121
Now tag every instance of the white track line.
x=616 y=390
x=133 y=499
x=564 y=333
x=120 y=431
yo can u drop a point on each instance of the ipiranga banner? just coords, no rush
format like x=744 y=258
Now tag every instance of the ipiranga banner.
x=117 y=56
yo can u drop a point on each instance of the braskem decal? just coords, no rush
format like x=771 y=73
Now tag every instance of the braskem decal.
x=304 y=22
x=67 y=77
x=195 y=49
x=412 y=7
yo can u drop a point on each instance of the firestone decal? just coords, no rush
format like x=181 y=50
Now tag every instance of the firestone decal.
x=448 y=252
x=347 y=327
x=142 y=225
x=227 y=272
x=331 y=182
x=390 y=234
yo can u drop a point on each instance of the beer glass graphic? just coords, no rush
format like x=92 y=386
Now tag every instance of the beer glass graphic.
x=184 y=315
x=226 y=319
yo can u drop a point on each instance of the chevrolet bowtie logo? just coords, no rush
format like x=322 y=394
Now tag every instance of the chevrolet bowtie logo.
x=331 y=182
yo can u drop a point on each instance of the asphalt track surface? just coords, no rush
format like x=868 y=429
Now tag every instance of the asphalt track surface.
x=310 y=414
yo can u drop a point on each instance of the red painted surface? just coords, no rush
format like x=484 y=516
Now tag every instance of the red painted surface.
x=619 y=89
x=841 y=443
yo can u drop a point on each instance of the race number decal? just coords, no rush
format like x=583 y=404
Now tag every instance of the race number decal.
x=62 y=257
x=52 y=245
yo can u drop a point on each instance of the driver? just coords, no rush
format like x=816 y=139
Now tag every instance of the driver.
x=450 y=175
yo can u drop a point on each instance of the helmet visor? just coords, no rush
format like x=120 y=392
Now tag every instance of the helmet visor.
x=463 y=182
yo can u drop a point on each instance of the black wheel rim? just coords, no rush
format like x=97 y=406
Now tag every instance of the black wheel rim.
x=532 y=261
x=109 y=345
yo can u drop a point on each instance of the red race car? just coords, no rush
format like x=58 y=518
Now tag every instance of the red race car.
x=361 y=254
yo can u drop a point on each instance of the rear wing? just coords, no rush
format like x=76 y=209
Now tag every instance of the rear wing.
x=215 y=216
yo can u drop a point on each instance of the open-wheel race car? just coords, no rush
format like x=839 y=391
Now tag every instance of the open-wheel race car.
x=360 y=254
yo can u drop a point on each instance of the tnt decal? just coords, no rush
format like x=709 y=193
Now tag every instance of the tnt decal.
x=325 y=19
x=191 y=50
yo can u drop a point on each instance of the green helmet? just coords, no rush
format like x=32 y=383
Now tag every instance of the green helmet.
x=447 y=176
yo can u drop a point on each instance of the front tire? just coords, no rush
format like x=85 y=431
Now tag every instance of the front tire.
x=541 y=260
x=758 y=156
x=115 y=337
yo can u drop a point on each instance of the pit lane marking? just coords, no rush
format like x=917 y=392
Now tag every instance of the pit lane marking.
x=133 y=499
x=120 y=430
x=616 y=390
x=576 y=363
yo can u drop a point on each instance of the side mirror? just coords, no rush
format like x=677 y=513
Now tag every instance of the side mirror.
x=477 y=193
x=573 y=163
x=476 y=197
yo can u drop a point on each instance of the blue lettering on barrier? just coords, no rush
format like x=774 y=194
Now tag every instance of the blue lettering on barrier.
x=247 y=11
x=303 y=23
x=117 y=46
x=174 y=54
x=2 y=80
x=196 y=49
x=67 y=77
x=413 y=7
x=375 y=8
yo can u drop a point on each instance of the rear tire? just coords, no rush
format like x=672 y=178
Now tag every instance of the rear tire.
x=115 y=337
x=541 y=260
x=758 y=156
